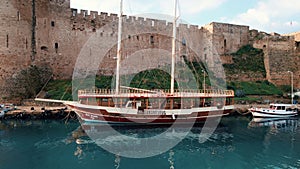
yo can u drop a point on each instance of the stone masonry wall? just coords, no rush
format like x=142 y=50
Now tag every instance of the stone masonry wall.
x=280 y=57
x=49 y=32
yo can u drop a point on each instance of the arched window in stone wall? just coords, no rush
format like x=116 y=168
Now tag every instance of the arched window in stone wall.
x=183 y=42
x=44 y=48
x=152 y=39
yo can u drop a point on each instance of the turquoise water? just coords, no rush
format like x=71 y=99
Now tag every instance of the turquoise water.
x=236 y=143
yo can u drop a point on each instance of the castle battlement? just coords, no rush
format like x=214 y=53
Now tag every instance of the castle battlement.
x=94 y=16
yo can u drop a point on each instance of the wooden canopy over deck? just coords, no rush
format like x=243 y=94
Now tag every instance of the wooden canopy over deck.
x=158 y=93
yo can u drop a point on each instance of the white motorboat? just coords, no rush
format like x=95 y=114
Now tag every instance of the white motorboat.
x=275 y=111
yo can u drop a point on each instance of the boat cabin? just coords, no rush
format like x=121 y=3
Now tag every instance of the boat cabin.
x=285 y=107
x=154 y=100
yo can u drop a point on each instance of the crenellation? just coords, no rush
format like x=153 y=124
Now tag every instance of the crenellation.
x=94 y=15
x=74 y=12
x=83 y=13
x=183 y=26
x=149 y=22
x=140 y=20
x=193 y=27
x=161 y=23
x=131 y=19
x=104 y=15
x=113 y=16
x=169 y=25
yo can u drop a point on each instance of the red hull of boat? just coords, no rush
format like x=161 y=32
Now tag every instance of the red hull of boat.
x=94 y=115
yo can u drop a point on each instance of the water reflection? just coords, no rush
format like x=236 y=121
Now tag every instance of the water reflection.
x=290 y=124
x=136 y=140
x=236 y=143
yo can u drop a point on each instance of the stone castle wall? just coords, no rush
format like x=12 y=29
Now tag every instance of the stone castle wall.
x=49 y=32
x=281 y=56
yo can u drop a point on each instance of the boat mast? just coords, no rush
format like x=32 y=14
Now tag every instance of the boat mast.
x=292 y=78
x=173 y=49
x=119 y=48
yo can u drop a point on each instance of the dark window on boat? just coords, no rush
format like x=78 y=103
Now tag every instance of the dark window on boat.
x=280 y=108
x=129 y=104
x=52 y=23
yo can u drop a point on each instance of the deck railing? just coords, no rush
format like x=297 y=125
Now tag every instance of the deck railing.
x=158 y=92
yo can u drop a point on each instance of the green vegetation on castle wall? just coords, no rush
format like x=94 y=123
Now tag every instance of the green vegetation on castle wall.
x=28 y=82
x=246 y=59
x=254 y=88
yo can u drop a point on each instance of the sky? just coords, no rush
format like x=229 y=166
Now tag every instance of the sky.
x=280 y=16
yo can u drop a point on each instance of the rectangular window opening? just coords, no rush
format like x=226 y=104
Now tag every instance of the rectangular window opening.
x=52 y=23
x=18 y=15
x=26 y=43
x=56 y=47
x=152 y=39
x=7 y=40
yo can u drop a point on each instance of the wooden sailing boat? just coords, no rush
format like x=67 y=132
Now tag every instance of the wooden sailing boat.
x=127 y=105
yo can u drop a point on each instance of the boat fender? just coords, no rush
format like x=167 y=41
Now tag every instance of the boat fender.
x=173 y=116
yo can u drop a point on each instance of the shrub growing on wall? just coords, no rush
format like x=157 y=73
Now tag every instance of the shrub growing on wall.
x=28 y=82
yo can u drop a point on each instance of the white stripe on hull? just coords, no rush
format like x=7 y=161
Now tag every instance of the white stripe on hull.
x=263 y=114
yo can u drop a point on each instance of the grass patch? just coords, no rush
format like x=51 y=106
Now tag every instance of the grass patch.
x=247 y=98
x=255 y=88
x=59 y=89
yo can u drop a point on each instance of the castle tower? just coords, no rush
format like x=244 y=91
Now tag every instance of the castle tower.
x=15 y=36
